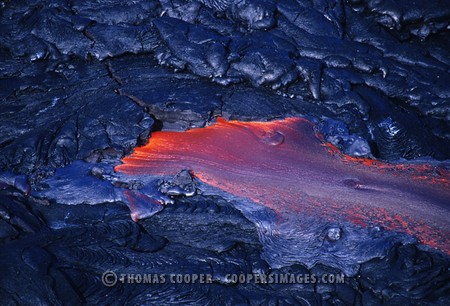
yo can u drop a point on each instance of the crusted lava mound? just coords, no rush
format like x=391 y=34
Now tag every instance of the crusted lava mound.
x=83 y=83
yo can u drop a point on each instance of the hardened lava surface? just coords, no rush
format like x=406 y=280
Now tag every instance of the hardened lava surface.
x=85 y=66
x=85 y=83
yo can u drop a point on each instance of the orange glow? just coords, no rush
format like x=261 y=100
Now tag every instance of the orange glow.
x=283 y=165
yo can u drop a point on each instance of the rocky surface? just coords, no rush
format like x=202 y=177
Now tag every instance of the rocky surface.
x=53 y=255
x=380 y=69
x=87 y=81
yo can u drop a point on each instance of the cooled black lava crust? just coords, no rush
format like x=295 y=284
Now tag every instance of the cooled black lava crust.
x=90 y=80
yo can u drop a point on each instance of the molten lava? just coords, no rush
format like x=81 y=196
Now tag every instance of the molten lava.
x=284 y=166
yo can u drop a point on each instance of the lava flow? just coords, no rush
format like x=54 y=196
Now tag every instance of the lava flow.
x=284 y=166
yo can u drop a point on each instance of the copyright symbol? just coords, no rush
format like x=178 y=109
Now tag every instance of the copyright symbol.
x=109 y=278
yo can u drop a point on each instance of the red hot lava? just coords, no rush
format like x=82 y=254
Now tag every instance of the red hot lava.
x=284 y=166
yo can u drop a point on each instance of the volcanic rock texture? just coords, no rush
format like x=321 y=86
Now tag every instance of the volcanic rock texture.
x=82 y=83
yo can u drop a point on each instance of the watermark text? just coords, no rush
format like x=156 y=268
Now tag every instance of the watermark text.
x=111 y=278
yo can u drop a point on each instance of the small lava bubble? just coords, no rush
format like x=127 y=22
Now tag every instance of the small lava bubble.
x=352 y=183
x=355 y=184
x=333 y=234
x=273 y=138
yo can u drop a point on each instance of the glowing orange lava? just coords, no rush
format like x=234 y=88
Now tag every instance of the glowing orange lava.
x=284 y=166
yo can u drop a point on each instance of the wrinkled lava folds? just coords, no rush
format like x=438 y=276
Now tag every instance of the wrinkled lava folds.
x=285 y=166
